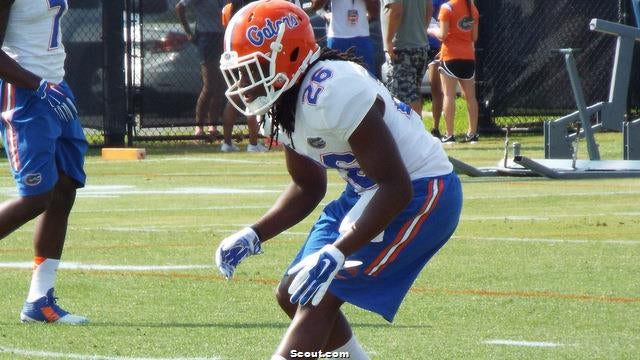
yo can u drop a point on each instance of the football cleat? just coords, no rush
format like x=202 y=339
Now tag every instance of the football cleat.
x=46 y=310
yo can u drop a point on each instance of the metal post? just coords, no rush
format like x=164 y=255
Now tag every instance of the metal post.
x=115 y=112
x=631 y=142
x=576 y=86
x=636 y=11
x=613 y=114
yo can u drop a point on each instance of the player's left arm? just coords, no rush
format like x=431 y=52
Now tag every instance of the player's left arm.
x=10 y=70
x=382 y=163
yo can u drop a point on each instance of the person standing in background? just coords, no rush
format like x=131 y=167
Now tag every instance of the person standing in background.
x=458 y=32
x=405 y=43
x=44 y=142
x=349 y=26
x=433 y=71
x=207 y=37
x=230 y=114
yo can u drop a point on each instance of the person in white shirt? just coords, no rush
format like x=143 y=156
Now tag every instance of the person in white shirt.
x=349 y=26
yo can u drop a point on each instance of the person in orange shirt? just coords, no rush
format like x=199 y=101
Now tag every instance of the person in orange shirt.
x=458 y=32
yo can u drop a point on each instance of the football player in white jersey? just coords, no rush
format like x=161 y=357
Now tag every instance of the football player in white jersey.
x=44 y=142
x=402 y=200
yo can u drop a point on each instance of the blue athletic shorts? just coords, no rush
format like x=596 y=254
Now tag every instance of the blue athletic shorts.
x=363 y=48
x=38 y=144
x=389 y=267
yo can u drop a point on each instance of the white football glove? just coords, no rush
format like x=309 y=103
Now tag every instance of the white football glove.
x=315 y=273
x=57 y=99
x=235 y=248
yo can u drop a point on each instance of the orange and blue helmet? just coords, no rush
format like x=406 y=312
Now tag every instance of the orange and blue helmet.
x=273 y=41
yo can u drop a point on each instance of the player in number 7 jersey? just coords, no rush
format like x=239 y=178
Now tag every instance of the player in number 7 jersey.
x=402 y=200
x=44 y=142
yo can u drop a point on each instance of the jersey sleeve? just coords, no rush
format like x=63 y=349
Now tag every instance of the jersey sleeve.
x=342 y=104
x=445 y=13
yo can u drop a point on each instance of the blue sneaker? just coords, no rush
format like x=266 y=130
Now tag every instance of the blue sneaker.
x=47 y=310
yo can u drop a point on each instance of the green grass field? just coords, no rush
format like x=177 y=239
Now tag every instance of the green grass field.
x=538 y=268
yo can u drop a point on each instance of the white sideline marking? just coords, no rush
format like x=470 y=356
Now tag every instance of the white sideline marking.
x=164 y=159
x=546 y=217
x=552 y=241
x=48 y=354
x=121 y=190
x=564 y=194
x=134 y=209
x=115 y=190
x=172 y=191
x=80 y=266
x=521 y=343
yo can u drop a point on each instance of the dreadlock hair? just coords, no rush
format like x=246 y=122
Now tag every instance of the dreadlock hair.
x=283 y=111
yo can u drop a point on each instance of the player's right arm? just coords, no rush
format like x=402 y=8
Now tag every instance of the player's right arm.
x=10 y=70
x=300 y=198
x=294 y=204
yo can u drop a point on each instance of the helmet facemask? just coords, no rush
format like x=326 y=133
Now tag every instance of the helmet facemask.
x=260 y=68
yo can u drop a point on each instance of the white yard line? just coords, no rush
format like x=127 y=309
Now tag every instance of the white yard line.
x=96 y=267
x=163 y=159
x=225 y=228
x=551 y=194
x=115 y=190
x=49 y=354
x=521 y=343
x=177 y=191
x=173 y=209
x=553 y=241
x=123 y=190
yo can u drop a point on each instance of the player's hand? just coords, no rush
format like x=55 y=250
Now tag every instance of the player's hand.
x=59 y=102
x=315 y=273
x=235 y=248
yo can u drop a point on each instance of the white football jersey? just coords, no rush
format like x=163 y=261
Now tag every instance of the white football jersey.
x=334 y=97
x=34 y=38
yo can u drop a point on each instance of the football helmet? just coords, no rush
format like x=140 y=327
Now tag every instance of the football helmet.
x=267 y=44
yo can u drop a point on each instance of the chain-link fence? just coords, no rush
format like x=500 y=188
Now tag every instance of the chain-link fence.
x=521 y=80
x=82 y=38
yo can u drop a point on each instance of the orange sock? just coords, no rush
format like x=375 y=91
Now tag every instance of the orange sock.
x=37 y=260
